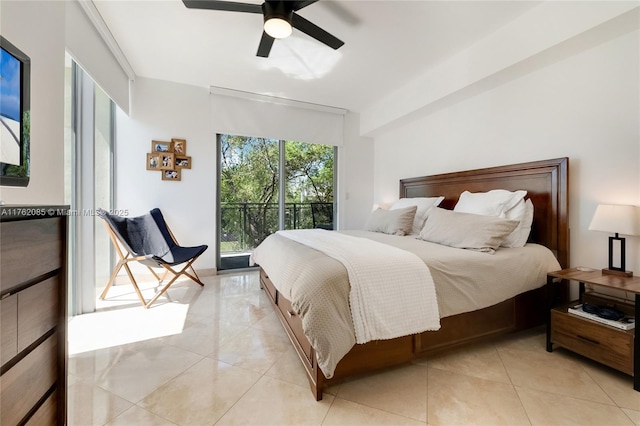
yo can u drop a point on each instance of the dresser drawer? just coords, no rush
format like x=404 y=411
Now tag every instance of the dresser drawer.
x=35 y=248
x=601 y=343
x=8 y=328
x=46 y=414
x=28 y=381
x=295 y=323
x=37 y=311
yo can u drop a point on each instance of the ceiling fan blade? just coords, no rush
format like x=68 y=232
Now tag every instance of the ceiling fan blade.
x=315 y=31
x=265 y=45
x=223 y=5
x=297 y=5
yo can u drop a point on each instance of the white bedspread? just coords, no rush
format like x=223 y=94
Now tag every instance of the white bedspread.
x=379 y=310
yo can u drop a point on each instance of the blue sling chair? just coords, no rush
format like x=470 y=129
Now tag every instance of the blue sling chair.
x=148 y=240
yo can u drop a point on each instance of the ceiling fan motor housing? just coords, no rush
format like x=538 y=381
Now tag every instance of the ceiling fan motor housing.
x=277 y=10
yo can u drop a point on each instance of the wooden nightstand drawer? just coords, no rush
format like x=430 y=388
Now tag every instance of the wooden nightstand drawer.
x=601 y=343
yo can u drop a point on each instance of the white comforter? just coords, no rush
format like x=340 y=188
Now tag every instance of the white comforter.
x=379 y=310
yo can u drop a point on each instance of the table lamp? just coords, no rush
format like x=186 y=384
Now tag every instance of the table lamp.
x=616 y=219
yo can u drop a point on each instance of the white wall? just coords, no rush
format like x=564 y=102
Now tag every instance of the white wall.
x=162 y=110
x=355 y=179
x=579 y=99
x=38 y=29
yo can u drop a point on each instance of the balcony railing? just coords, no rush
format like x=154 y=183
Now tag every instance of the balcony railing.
x=245 y=225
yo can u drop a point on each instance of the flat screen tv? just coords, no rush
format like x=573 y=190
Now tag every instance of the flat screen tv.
x=15 y=116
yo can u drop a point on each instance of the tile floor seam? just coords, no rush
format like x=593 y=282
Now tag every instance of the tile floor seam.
x=328 y=410
x=506 y=370
x=169 y=380
x=600 y=386
x=377 y=408
x=155 y=414
x=244 y=368
x=571 y=396
x=513 y=386
x=524 y=407
x=627 y=415
x=113 y=393
x=237 y=400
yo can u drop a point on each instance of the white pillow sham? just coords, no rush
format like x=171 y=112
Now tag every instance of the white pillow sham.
x=394 y=222
x=423 y=205
x=466 y=230
x=522 y=212
x=492 y=203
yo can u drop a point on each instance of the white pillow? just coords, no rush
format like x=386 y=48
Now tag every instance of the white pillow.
x=493 y=203
x=466 y=230
x=394 y=222
x=423 y=204
x=522 y=212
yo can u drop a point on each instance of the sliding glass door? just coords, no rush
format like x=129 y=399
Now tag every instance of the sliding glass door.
x=266 y=185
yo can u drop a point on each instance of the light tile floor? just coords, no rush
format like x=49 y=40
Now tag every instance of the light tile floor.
x=218 y=355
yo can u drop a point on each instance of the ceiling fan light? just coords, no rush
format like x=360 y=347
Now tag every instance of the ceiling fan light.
x=277 y=28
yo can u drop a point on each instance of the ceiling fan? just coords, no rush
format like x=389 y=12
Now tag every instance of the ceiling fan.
x=279 y=18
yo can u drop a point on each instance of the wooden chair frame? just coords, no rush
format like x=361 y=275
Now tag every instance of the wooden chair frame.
x=125 y=257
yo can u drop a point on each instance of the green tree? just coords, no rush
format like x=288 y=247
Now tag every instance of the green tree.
x=309 y=172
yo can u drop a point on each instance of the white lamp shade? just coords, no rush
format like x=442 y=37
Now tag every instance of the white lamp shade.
x=616 y=219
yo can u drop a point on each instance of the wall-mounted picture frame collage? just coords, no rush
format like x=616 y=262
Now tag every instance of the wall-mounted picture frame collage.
x=169 y=157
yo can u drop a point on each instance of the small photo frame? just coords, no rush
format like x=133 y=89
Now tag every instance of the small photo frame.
x=179 y=146
x=161 y=146
x=183 y=162
x=167 y=160
x=172 y=174
x=153 y=161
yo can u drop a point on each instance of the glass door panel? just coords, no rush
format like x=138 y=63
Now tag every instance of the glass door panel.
x=309 y=186
x=249 y=194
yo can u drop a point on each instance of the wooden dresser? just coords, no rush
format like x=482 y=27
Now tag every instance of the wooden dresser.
x=33 y=315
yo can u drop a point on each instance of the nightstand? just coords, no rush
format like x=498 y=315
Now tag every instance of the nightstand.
x=616 y=348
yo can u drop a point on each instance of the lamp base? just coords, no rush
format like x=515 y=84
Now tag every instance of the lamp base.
x=618 y=273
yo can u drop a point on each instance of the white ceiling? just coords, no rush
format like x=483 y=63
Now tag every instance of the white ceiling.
x=387 y=44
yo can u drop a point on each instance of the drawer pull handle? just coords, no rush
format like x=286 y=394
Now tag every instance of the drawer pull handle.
x=291 y=314
x=595 y=342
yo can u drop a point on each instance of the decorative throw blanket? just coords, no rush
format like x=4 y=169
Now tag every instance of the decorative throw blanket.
x=392 y=293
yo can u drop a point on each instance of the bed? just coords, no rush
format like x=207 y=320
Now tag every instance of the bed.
x=546 y=183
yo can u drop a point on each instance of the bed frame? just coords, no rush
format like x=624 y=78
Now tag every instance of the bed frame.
x=546 y=183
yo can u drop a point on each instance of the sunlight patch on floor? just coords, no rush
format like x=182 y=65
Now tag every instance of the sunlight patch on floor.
x=121 y=319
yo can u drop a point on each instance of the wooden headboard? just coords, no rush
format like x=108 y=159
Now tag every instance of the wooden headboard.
x=546 y=182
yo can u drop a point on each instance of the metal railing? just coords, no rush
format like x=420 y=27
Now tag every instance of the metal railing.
x=245 y=225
